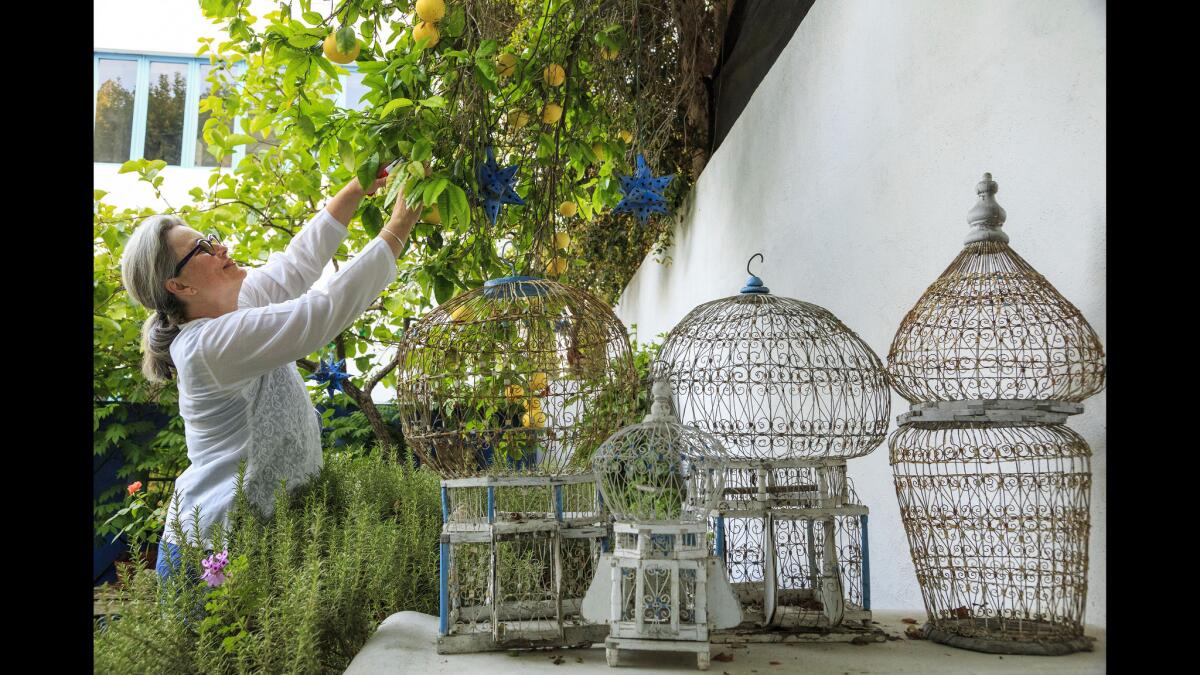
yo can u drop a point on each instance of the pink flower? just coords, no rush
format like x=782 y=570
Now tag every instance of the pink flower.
x=134 y=486
x=213 y=568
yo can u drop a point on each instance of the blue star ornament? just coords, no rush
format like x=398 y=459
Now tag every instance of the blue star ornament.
x=496 y=186
x=332 y=374
x=643 y=192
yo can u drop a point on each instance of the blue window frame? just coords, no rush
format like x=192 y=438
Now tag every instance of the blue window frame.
x=139 y=64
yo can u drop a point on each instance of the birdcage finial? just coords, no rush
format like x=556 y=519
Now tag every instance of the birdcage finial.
x=754 y=284
x=987 y=216
x=660 y=407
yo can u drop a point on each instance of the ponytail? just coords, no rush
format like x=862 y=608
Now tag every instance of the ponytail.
x=146 y=264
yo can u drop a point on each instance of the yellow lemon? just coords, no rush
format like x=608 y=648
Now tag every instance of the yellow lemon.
x=625 y=135
x=561 y=240
x=532 y=404
x=459 y=314
x=426 y=30
x=552 y=113
x=332 y=53
x=534 y=419
x=518 y=118
x=609 y=54
x=567 y=209
x=537 y=381
x=554 y=75
x=513 y=393
x=506 y=64
x=432 y=216
x=557 y=266
x=598 y=151
x=431 y=10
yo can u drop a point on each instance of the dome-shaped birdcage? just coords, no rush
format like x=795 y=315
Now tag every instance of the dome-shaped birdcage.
x=991 y=327
x=776 y=378
x=524 y=375
x=659 y=470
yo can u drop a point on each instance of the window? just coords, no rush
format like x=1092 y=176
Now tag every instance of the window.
x=149 y=106
x=164 y=112
x=114 y=110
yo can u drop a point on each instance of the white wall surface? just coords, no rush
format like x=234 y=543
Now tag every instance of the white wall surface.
x=852 y=170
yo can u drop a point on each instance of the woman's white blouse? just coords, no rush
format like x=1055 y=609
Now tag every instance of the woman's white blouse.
x=240 y=393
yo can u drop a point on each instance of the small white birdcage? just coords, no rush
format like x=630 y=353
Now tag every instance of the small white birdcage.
x=661 y=589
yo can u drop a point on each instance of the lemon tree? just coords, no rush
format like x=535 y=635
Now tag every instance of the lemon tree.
x=482 y=83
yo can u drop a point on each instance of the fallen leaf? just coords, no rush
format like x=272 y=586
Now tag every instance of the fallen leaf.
x=775 y=663
x=558 y=660
x=723 y=657
x=913 y=633
x=578 y=659
x=908 y=620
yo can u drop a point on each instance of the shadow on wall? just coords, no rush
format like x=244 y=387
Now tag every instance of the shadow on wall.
x=756 y=33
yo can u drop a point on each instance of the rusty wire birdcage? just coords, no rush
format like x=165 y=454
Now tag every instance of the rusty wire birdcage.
x=792 y=393
x=506 y=391
x=661 y=589
x=994 y=490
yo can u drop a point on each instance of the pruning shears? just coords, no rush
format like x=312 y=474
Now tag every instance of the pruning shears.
x=385 y=170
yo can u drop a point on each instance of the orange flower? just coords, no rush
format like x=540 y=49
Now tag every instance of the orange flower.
x=134 y=486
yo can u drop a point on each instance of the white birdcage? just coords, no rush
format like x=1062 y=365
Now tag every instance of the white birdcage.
x=792 y=393
x=661 y=588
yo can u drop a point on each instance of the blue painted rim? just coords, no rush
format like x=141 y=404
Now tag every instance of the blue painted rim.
x=514 y=286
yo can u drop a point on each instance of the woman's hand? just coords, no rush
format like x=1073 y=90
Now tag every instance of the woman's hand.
x=343 y=205
x=400 y=225
x=401 y=214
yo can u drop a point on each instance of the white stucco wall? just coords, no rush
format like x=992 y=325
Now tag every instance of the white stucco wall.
x=852 y=170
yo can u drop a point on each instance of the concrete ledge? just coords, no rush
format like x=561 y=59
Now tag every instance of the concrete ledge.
x=406 y=643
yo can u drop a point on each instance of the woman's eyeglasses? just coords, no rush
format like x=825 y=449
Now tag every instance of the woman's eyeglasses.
x=208 y=245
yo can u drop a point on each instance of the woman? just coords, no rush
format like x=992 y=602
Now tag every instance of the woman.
x=231 y=337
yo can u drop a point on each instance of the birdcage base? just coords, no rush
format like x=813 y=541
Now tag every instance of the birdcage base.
x=522 y=636
x=613 y=645
x=1037 y=639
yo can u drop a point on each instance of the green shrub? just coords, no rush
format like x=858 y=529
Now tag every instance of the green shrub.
x=304 y=589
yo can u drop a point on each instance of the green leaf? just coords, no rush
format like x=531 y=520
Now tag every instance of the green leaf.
x=304 y=40
x=368 y=170
x=422 y=151
x=393 y=105
x=460 y=208
x=238 y=139
x=131 y=165
x=487 y=48
x=346 y=153
x=433 y=189
x=443 y=289
x=345 y=39
x=313 y=18
x=97 y=195
x=455 y=22
x=433 y=102
x=372 y=219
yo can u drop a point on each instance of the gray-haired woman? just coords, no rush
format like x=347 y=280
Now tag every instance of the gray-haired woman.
x=231 y=337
